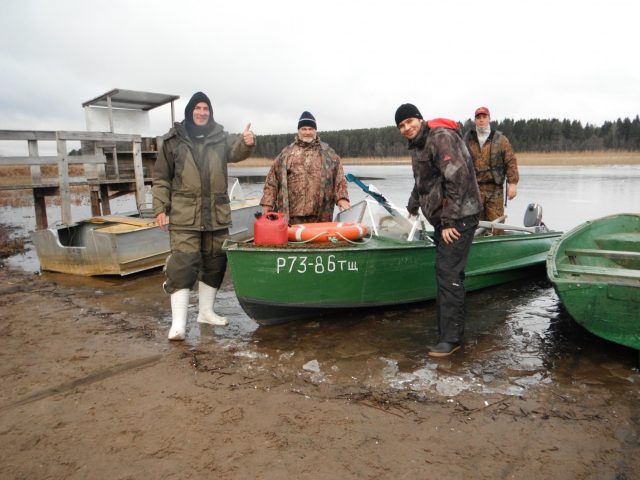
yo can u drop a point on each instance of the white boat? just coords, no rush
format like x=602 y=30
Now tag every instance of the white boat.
x=127 y=243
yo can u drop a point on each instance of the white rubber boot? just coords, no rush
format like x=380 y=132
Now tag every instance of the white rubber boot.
x=179 y=305
x=206 y=297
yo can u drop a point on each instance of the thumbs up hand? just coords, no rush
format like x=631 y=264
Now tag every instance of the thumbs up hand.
x=248 y=136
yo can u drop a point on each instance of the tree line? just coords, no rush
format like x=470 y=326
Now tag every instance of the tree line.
x=534 y=135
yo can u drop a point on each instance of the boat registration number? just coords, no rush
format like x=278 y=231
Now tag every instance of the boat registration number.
x=319 y=264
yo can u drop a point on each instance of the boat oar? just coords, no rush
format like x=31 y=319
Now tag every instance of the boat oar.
x=377 y=196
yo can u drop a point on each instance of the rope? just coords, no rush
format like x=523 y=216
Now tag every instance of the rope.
x=363 y=240
x=302 y=242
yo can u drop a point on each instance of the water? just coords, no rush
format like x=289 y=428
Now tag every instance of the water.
x=518 y=335
x=569 y=195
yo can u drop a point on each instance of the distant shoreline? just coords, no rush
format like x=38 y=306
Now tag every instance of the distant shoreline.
x=604 y=157
x=20 y=174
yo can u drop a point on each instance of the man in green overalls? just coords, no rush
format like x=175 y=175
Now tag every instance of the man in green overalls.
x=190 y=196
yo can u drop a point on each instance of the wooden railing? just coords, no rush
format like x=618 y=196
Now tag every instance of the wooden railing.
x=94 y=163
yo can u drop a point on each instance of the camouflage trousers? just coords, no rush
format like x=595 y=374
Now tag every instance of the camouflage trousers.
x=492 y=197
x=307 y=219
x=195 y=256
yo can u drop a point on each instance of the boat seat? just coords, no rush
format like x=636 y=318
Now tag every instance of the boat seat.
x=119 y=228
x=599 y=271
x=628 y=241
x=138 y=222
x=594 y=252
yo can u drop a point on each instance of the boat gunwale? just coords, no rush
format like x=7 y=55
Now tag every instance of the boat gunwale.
x=558 y=250
x=381 y=243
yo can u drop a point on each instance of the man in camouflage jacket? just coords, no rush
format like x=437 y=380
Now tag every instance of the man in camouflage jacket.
x=306 y=179
x=446 y=191
x=190 y=196
x=494 y=162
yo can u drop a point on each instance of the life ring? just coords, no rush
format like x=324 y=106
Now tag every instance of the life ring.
x=327 y=232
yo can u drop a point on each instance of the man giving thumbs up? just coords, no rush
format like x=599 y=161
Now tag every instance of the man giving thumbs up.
x=190 y=196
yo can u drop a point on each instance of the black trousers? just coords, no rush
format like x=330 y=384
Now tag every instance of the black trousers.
x=451 y=260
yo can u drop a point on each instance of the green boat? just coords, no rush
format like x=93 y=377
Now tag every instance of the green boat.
x=394 y=265
x=595 y=270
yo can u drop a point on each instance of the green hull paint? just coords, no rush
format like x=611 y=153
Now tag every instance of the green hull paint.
x=276 y=284
x=595 y=270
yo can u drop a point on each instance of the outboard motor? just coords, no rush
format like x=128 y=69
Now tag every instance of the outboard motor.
x=533 y=217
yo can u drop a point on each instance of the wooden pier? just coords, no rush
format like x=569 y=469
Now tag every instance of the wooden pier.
x=114 y=164
x=109 y=172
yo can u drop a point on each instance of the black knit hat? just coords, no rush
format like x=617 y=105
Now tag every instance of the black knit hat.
x=198 y=131
x=196 y=99
x=407 y=110
x=307 y=120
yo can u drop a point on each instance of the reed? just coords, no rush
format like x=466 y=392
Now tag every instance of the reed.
x=18 y=171
x=10 y=174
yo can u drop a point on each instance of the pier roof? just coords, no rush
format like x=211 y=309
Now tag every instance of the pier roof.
x=131 y=99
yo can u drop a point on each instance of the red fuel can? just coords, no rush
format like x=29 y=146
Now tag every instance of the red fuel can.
x=270 y=229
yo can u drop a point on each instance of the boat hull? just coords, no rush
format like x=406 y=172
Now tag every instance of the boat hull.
x=278 y=284
x=120 y=245
x=95 y=249
x=595 y=270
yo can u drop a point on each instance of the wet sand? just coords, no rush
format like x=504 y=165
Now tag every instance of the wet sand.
x=92 y=389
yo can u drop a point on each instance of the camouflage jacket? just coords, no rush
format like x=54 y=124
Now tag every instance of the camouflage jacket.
x=495 y=160
x=445 y=183
x=190 y=178
x=305 y=180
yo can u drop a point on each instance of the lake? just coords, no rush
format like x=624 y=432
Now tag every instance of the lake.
x=568 y=195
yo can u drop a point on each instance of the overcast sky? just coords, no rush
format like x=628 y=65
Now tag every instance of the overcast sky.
x=349 y=62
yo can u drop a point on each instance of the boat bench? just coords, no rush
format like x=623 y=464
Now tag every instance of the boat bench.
x=628 y=241
x=599 y=271
x=594 y=252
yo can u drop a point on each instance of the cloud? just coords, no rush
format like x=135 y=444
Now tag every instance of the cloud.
x=350 y=63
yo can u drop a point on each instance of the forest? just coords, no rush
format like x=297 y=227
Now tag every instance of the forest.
x=534 y=135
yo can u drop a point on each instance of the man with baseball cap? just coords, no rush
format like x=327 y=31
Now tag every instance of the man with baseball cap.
x=494 y=162
x=446 y=190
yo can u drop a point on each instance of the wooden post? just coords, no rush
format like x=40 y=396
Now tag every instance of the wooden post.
x=114 y=154
x=104 y=199
x=63 y=175
x=138 y=172
x=36 y=173
x=95 y=201
x=40 y=204
x=110 y=114
x=100 y=170
x=94 y=188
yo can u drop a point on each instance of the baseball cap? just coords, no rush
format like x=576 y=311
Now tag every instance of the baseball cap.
x=482 y=110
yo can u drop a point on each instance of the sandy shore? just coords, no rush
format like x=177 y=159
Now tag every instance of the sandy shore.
x=92 y=390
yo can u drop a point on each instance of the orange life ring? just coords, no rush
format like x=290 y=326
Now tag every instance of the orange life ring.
x=327 y=232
